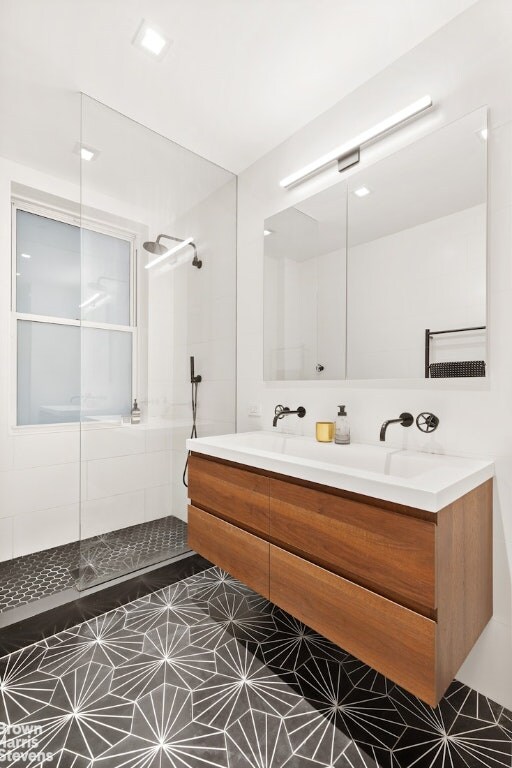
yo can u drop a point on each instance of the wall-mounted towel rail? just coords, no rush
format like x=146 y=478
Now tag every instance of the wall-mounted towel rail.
x=428 y=336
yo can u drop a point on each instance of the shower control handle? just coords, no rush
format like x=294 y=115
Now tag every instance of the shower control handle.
x=193 y=378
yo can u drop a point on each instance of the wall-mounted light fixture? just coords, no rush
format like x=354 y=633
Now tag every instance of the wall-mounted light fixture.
x=347 y=154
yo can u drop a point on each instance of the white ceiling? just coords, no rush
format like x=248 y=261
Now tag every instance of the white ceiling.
x=240 y=77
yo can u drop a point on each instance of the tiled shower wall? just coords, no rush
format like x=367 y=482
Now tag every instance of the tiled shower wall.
x=466 y=65
x=193 y=312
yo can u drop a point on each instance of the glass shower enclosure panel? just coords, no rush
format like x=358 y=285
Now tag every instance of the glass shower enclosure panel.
x=150 y=212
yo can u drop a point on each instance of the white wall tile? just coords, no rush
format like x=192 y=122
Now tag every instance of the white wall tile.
x=6 y=538
x=158 y=468
x=111 y=513
x=110 y=477
x=44 y=529
x=180 y=501
x=28 y=490
x=45 y=449
x=158 y=439
x=6 y=449
x=112 y=441
x=157 y=502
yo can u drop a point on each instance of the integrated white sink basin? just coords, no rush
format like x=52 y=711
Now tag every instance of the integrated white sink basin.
x=427 y=481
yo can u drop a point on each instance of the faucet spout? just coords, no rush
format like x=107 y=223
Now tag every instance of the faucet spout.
x=405 y=419
x=281 y=411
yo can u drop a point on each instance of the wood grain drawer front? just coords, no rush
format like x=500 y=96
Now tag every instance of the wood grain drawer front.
x=390 y=638
x=240 y=553
x=232 y=493
x=388 y=552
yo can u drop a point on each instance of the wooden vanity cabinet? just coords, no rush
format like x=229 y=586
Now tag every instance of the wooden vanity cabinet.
x=406 y=591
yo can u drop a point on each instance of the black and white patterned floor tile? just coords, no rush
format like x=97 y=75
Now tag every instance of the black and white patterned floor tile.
x=205 y=673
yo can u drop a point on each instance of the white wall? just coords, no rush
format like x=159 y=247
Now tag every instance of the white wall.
x=465 y=65
x=433 y=276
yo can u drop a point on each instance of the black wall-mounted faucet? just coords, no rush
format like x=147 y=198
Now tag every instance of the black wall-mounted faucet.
x=406 y=419
x=281 y=411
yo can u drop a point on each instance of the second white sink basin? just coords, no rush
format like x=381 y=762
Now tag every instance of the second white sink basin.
x=422 y=480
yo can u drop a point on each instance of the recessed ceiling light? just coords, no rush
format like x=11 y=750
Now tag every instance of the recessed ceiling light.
x=151 y=40
x=26 y=256
x=86 y=153
x=362 y=191
x=267 y=232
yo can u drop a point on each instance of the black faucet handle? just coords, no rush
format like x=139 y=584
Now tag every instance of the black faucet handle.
x=427 y=422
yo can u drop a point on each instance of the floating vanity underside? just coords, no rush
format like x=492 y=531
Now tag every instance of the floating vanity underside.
x=405 y=590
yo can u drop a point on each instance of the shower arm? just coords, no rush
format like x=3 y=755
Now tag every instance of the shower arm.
x=195 y=261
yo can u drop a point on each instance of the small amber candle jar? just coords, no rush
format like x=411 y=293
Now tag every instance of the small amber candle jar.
x=325 y=431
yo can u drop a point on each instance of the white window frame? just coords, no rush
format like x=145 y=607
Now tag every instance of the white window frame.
x=96 y=225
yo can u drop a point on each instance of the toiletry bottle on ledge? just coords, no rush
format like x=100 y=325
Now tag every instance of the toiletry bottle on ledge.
x=342 y=433
x=135 y=413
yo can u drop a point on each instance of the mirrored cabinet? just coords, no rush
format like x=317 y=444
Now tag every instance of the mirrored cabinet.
x=383 y=275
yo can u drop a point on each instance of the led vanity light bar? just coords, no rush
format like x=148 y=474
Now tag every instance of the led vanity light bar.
x=170 y=252
x=352 y=146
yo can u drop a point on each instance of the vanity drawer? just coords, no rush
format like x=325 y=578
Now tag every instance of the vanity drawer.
x=229 y=492
x=390 y=553
x=240 y=553
x=390 y=638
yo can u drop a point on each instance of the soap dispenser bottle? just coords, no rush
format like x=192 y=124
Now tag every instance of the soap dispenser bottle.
x=342 y=433
x=135 y=415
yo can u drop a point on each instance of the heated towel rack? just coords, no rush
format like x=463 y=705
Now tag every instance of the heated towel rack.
x=428 y=336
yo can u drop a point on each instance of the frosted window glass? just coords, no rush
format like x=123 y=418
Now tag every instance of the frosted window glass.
x=106 y=374
x=47 y=266
x=48 y=373
x=105 y=278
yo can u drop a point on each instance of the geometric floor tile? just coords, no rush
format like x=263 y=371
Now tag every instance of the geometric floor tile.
x=24 y=689
x=260 y=740
x=230 y=615
x=294 y=643
x=168 y=657
x=163 y=734
x=104 y=640
x=206 y=673
x=445 y=736
x=242 y=682
x=168 y=605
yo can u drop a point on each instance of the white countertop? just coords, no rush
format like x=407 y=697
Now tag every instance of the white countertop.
x=428 y=481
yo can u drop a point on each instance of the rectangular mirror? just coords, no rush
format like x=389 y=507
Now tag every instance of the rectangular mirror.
x=305 y=284
x=384 y=277
x=416 y=264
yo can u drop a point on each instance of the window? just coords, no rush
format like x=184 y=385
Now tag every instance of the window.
x=75 y=327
